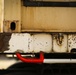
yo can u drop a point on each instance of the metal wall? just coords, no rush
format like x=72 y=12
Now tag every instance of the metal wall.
x=49 y=19
x=38 y=19
x=34 y=43
x=12 y=14
x=1 y=14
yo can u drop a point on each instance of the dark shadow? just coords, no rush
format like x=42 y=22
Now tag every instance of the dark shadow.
x=13 y=26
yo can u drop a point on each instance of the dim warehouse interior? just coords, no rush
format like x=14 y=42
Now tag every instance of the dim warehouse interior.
x=37 y=37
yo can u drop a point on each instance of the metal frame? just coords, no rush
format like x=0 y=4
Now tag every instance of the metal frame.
x=48 y=55
x=48 y=3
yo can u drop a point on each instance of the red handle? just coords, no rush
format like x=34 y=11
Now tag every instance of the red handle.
x=40 y=60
